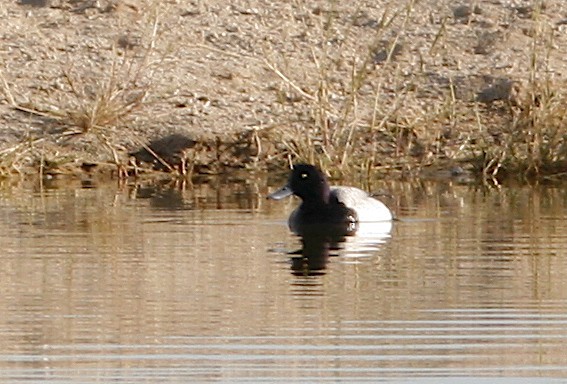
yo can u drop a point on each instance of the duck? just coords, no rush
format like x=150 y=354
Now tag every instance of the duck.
x=322 y=204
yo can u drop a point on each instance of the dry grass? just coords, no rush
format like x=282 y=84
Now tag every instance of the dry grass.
x=364 y=123
x=379 y=88
x=97 y=99
x=335 y=124
x=360 y=126
x=532 y=141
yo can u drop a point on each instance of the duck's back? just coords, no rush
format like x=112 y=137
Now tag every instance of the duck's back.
x=367 y=208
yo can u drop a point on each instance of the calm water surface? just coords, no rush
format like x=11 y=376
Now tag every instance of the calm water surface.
x=144 y=284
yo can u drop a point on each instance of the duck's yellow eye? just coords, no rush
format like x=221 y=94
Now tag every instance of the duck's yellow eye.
x=304 y=175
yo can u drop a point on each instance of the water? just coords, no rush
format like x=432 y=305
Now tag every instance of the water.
x=144 y=284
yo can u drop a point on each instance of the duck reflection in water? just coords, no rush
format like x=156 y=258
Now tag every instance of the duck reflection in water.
x=318 y=243
x=327 y=214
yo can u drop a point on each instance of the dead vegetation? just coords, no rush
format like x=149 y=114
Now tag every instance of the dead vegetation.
x=377 y=122
x=96 y=99
x=395 y=89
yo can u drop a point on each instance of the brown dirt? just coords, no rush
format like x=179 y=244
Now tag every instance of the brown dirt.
x=246 y=78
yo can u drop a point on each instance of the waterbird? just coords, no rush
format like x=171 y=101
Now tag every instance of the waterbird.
x=323 y=205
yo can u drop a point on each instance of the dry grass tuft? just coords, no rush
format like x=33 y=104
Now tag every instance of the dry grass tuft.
x=329 y=125
x=104 y=103
x=532 y=143
x=96 y=98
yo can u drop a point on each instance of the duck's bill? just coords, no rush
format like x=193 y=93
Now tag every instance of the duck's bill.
x=285 y=191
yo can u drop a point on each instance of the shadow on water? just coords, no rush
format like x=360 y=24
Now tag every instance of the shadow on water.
x=163 y=198
x=205 y=194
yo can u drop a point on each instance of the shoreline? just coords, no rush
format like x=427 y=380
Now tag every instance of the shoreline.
x=419 y=89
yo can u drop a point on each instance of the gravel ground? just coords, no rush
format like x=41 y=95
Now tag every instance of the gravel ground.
x=253 y=75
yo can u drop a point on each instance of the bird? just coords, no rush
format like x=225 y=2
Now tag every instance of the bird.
x=323 y=205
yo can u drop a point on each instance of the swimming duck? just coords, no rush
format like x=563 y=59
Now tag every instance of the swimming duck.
x=326 y=205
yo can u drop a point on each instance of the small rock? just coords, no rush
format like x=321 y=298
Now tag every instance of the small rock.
x=382 y=55
x=35 y=3
x=190 y=12
x=245 y=11
x=232 y=28
x=462 y=11
x=486 y=42
x=524 y=12
x=502 y=90
x=224 y=74
x=361 y=19
x=128 y=41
